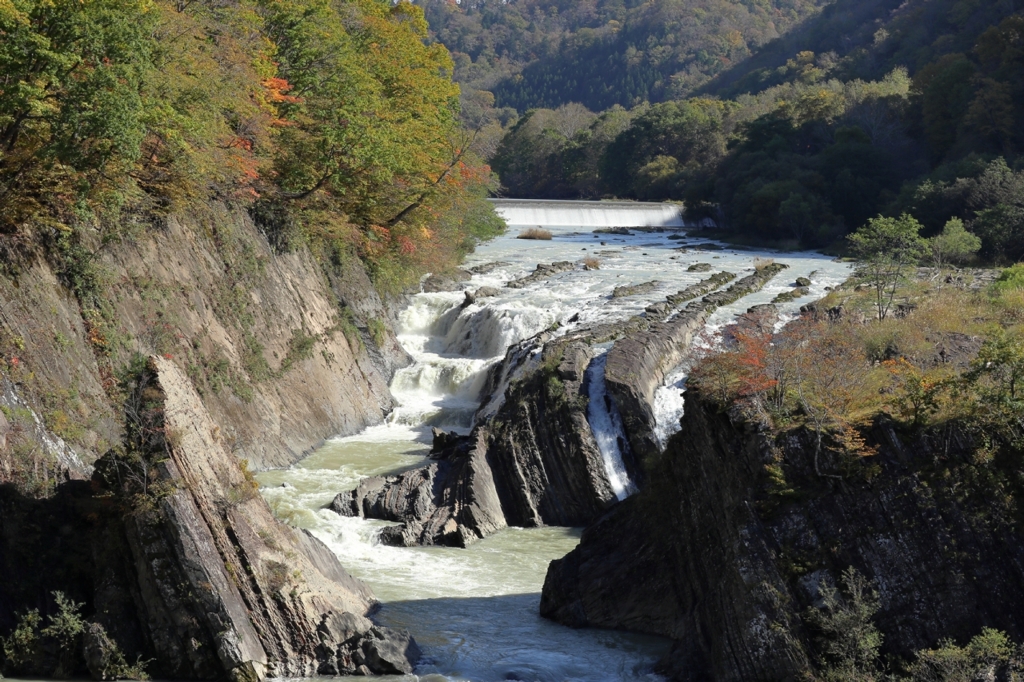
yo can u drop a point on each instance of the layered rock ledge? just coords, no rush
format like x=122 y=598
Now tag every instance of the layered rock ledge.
x=710 y=555
x=532 y=458
x=176 y=558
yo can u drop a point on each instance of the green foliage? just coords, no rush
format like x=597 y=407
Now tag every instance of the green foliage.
x=336 y=117
x=983 y=655
x=886 y=249
x=849 y=641
x=546 y=53
x=21 y=647
x=300 y=347
x=1002 y=228
x=666 y=147
x=253 y=361
x=71 y=115
x=378 y=331
x=1012 y=278
x=954 y=244
x=987 y=196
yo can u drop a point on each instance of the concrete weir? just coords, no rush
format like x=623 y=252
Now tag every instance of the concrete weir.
x=590 y=213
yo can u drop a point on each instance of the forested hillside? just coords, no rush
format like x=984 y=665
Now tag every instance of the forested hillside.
x=333 y=121
x=917 y=108
x=544 y=53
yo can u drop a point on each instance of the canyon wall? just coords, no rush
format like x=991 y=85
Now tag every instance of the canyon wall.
x=713 y=554
x=278 y=344
x=253 y=357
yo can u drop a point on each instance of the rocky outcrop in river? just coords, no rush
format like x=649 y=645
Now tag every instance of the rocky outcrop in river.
x=712 y=554
x=533 y=458
x=175 y=558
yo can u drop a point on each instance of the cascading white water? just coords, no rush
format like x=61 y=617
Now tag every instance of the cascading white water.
x=474 y=611
x=606 y=425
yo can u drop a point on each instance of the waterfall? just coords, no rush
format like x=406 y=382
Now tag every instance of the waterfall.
x=606 y=424
x=589 y=213
x=473 y=610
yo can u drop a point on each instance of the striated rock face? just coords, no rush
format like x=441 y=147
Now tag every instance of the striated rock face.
x=709 y=554
x=533 y=459
x=638 y=364
x=178 y=559
x=452 y=501
x=278 y=344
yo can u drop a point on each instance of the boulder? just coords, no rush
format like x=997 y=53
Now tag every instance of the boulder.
x=445 y=281
x=100 y=652
x=486 y=292
x=542 y=272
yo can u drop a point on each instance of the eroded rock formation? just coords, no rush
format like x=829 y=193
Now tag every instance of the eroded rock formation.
x=532 y=458
x=177 y=558
x=711 y=554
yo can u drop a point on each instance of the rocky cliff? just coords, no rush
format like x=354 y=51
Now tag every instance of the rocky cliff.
x=175 y=558
x=716 y=555
x=155 y=528
x=532 y=458
x=278 y=344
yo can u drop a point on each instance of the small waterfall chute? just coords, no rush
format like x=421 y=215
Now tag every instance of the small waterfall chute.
x=606 y=425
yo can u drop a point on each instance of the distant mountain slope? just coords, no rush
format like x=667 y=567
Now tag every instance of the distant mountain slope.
x=543 y=53
x=866 y=39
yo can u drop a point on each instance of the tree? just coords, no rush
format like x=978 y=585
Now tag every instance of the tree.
x=954 y=244
x=886 y=248
x=70 y=104
x=1002 y=229
x=850 y=641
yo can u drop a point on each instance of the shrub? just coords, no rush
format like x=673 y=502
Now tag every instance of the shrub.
x=849 y=641
x=762 y=263
x=534 y=233
x=986 y=652
x=591 y=263
x=1012 y=278
x=21 y=647
x=378 y=331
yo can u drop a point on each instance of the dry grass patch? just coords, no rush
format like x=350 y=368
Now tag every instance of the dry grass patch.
x=534 y=233
x=591 y=263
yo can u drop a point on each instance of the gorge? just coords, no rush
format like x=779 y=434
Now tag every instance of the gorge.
x=473 y=611
x=538 y=391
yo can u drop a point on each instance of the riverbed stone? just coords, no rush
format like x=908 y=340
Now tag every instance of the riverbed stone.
x=486 y=292
x=446 y=281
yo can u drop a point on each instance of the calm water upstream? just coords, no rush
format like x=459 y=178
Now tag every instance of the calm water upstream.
x=474 y=611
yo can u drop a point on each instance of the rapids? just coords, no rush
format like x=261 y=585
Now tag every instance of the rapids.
x=474 y=611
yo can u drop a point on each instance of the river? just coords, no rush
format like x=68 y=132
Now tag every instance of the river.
x=474 y=611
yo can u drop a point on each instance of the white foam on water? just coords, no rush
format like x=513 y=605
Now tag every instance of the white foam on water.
x=606 y=425
x=474 y=610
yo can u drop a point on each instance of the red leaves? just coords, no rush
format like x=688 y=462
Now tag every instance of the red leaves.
x=752 y=361
x=276 y=89
x=406 y=246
